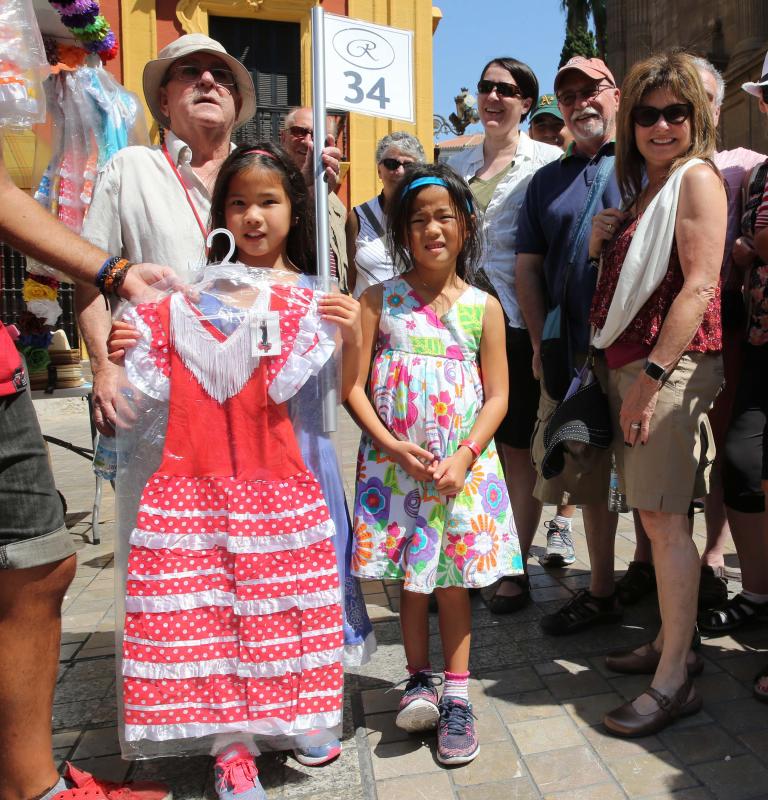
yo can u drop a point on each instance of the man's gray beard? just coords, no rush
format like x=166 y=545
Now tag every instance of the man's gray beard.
x=587 y=129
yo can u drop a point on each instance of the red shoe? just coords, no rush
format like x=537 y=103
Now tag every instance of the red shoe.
x=86 y=787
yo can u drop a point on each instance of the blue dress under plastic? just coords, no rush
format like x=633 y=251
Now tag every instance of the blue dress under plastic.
x=319 y=455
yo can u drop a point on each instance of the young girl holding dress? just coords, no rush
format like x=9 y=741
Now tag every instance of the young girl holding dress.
x=234 y=626
x=431 y=506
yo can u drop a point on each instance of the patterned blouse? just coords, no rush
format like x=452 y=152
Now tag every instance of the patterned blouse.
x=644 y=328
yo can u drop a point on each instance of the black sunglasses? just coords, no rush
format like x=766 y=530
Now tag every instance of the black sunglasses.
x=675 y=114
x=502 y=89
x=191 y=73
x=299 y=132
x=764 y=90
x=393 y=164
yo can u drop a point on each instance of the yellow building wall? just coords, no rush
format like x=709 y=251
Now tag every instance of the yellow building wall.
x=364 y=131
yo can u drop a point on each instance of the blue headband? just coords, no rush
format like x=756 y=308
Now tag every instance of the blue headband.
x=427 y=180
x=430 y=180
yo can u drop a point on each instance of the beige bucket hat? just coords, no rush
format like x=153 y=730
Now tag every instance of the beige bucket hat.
x=155 y=70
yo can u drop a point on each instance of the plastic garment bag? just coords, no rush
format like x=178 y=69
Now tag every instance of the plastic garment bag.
x=23 y=66
x=232 y=620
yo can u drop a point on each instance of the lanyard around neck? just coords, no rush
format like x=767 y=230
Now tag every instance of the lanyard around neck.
x=203 y=228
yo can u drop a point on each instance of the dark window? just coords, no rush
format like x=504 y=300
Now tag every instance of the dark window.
x=271 y=51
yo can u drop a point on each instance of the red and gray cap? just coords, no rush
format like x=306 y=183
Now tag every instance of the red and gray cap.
x=594 y=68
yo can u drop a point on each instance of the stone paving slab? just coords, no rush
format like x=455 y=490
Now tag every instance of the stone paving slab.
x=539 y=700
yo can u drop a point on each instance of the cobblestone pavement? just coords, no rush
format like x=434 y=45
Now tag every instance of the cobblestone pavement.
x=538 y=699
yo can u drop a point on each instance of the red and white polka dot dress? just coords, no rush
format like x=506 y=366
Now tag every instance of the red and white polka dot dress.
x=233 y=619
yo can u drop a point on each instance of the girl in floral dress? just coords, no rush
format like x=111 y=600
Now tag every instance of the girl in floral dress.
x=431 y=506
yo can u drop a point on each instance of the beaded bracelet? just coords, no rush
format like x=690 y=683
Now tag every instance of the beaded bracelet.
x=112 y=274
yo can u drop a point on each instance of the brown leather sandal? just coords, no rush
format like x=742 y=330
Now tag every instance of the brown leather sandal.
x=626 y=722
x=503 y=604
x=630 y=662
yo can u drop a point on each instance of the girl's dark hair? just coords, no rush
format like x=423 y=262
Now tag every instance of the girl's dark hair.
x=523 y=75
x=300 y=246
x=399 y=216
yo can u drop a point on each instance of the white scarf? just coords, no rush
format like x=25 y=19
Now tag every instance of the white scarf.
x=647 y=259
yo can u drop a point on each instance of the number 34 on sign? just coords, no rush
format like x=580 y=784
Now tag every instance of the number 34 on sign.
x=368 y=68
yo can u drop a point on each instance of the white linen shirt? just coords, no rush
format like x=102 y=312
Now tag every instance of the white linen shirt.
x=139 y=209
x=499 y=222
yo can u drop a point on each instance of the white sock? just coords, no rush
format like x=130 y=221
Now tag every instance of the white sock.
x=456 y=685
x=61 y=786
x=754 y=596
x=562 y=522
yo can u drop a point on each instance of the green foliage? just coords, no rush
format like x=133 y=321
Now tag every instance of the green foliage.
x=580 y=42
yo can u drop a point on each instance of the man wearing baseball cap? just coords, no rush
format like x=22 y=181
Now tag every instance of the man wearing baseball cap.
x=153 y=203
x=546 y=123
x=552 y=244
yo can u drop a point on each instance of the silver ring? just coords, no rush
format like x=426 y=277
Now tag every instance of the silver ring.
x=636 y=425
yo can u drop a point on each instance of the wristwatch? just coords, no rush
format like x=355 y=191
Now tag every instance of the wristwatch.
x=655 y=371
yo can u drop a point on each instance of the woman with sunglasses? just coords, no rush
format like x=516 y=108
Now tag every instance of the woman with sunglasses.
x=498 y=172
x=369 y=258
x=656 y=311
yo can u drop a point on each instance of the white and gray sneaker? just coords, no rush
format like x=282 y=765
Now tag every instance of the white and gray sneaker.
x=560 y=551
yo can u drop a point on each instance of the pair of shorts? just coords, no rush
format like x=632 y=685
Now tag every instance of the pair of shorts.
x=517 y=426
x=583 y=481
x=673 y=468
x=32 y=531
x=745 y=455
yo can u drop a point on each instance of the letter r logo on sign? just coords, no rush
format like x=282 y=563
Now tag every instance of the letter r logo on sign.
x=368 y=68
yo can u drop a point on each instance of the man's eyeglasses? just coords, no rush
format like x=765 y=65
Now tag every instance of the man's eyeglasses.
x=393 y=164
x=648 y=116
x=191 y=73
x=299 y=132
x=502 y=89
x=569 y=98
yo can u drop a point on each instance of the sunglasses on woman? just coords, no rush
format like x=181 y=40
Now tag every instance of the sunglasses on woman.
x=648 y=116
x=393 y=164
x=502 y=89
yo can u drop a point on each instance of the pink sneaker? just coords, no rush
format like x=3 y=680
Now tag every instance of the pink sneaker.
x=86 y=787
x=236 y=775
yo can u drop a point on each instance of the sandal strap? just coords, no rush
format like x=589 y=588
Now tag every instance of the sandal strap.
x=737 y=609
x=662 y=701
x=583 y=606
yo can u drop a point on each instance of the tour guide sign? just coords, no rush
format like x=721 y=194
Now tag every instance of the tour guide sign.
x=360 y=67
x=368 y=68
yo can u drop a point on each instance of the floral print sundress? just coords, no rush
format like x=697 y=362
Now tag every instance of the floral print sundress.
x=425 y=386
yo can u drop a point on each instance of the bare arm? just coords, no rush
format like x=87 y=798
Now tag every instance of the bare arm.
x=28 y=227
x=532 y=297
x=94 y=321
x=451 y=472
x=352 y=228
x=700 y=233
x=412 y=458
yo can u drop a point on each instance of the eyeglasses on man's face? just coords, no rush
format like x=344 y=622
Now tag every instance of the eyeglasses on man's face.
x=300 y=132
x=191 y=73
x=570 y=97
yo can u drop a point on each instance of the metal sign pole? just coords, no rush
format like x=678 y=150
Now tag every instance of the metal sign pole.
x=322 y=238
